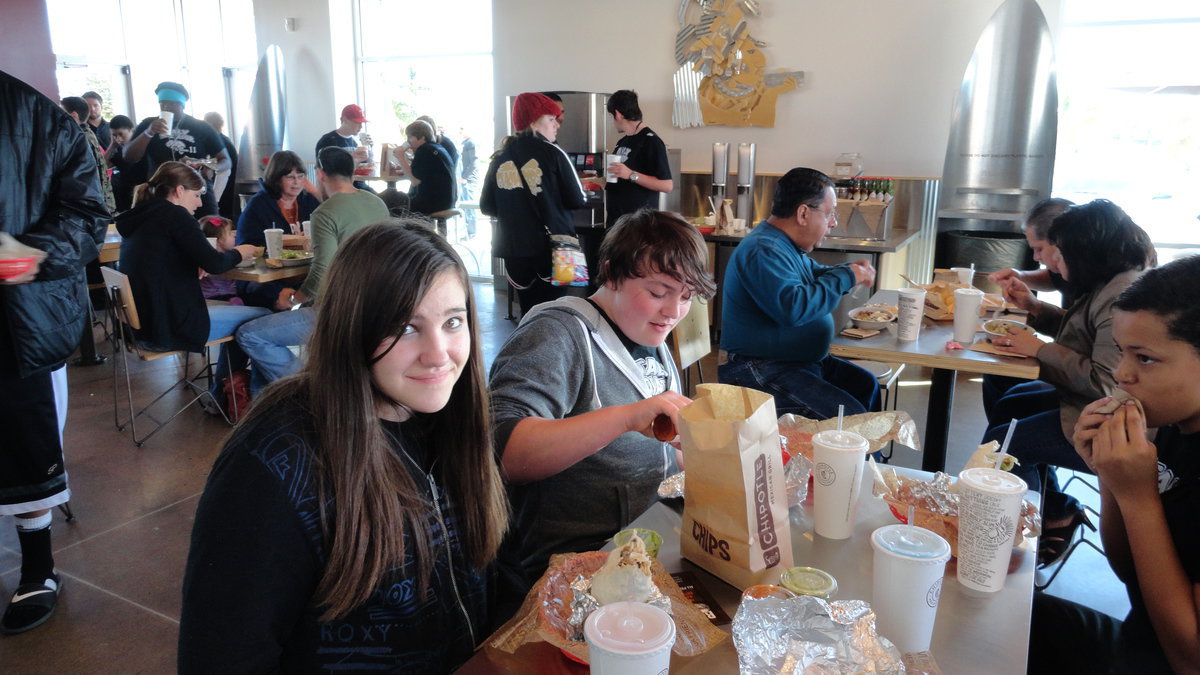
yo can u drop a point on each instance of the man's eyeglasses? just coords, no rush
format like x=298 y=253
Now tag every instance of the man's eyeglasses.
x=831 y=216
x=202 y=191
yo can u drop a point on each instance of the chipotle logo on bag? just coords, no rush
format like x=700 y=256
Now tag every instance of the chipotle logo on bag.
x=762 y=512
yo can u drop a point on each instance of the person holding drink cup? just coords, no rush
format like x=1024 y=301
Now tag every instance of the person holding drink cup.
x=176 y=136
x=1149 y=491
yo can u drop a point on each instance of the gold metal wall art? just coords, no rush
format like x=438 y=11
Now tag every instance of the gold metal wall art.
x=723 y=77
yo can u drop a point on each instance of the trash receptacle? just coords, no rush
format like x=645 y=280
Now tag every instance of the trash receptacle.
x=990 y=251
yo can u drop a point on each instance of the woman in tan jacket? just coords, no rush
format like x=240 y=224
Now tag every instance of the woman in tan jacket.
x=1102 y=251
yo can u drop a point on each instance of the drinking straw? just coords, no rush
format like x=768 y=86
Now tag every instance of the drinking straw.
x=841 y=413
x=912 y=514
x=1012 y=426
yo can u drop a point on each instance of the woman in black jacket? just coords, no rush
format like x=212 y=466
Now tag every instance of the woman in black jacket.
x=162 y=249
x=353 y=517
x=531 y=187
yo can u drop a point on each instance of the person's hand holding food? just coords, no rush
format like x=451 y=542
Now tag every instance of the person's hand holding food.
x=1016 y=292
x=248 y=251
x=1125 y=460
x=1019 y=342
x=864 y=272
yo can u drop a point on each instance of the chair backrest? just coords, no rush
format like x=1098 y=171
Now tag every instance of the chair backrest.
x=120 y=281
x=690 y=338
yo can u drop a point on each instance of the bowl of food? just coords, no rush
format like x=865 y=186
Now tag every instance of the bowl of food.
x=872 y=317
x=1004 y=327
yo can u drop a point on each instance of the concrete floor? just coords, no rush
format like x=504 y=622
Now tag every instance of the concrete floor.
x=122 y=558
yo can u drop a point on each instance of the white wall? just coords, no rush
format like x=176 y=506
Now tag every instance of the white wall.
x=317 y=79
x=880 y=76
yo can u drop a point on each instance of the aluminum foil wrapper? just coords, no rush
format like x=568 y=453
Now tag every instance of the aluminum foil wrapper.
x=584 y=603
x=936 y=504
x=878 y=428
x=795 y=479
x=809 y=635
x=671 y=487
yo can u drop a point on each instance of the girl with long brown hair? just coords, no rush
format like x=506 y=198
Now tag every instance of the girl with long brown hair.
x=351 y=518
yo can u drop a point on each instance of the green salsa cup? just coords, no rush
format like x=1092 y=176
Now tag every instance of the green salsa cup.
x=650 y=538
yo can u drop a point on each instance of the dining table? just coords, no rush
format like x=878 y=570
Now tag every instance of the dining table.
x=972 y=633
x=931 y=350
x=261 y=272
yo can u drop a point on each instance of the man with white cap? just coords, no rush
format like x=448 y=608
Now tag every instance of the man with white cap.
x=185 y=139
x=347 y=136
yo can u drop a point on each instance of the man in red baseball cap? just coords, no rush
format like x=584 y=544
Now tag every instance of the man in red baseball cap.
x=348 y=135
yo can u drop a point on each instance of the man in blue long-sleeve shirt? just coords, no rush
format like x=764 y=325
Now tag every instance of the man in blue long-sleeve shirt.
x=777 y=304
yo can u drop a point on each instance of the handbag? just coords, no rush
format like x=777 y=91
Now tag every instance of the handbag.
x=568 y=266
x=567 y=263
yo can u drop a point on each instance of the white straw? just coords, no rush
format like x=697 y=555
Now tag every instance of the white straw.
x=841 y=413
x=1012 y=427
x=912 y=515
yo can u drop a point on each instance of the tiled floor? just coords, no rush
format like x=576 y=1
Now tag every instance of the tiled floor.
x=122 y=558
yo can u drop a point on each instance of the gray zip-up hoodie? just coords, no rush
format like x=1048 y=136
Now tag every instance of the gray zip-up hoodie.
x=563 y=360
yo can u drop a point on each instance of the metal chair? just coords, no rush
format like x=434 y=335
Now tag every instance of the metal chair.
x=888 y=376
x=1082 y=540
x=690 y=342
x=124 y=312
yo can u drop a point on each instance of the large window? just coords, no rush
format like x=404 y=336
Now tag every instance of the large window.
x=417 y=58
x=1129 y=121
x=124 y=48
x=420 y=59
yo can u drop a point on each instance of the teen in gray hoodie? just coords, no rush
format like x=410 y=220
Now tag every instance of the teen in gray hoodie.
x=577 y=387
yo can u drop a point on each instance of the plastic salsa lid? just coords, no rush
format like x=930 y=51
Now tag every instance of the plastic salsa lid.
x=809 y=581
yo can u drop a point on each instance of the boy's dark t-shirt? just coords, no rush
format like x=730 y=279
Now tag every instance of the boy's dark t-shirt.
x=645 y=153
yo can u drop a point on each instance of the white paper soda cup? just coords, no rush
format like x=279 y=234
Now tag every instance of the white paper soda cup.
x=911 y=306
x=168 y=117
x=629 y=638
x=989 y=511
x=909 y=566
x=967 y=302
x=611 y=159
x=306 y=227
x=966 y=275
x=274 y=238
x=838 y=460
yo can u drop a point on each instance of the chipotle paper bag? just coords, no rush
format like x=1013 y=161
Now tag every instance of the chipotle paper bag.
x=735 y=517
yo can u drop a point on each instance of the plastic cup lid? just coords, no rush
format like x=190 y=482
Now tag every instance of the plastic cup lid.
x=910 y=542
x=809 y=581
x=629 y=626
x=993 y=480
x=840 y=440
x=967 y=291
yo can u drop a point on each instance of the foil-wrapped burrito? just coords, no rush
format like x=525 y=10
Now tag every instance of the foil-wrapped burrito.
x=779 y=636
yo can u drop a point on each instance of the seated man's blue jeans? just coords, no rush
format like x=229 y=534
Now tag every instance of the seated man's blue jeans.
x=1039 y=440
x=223 y=320
x=812 y=390
x=267 y=342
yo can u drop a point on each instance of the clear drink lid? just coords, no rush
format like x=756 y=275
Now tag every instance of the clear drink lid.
x=993 y=480
x=629 y=626
x=840 y=440
x=910 y=542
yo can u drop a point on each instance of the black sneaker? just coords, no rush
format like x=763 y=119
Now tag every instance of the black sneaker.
x=31 y=606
